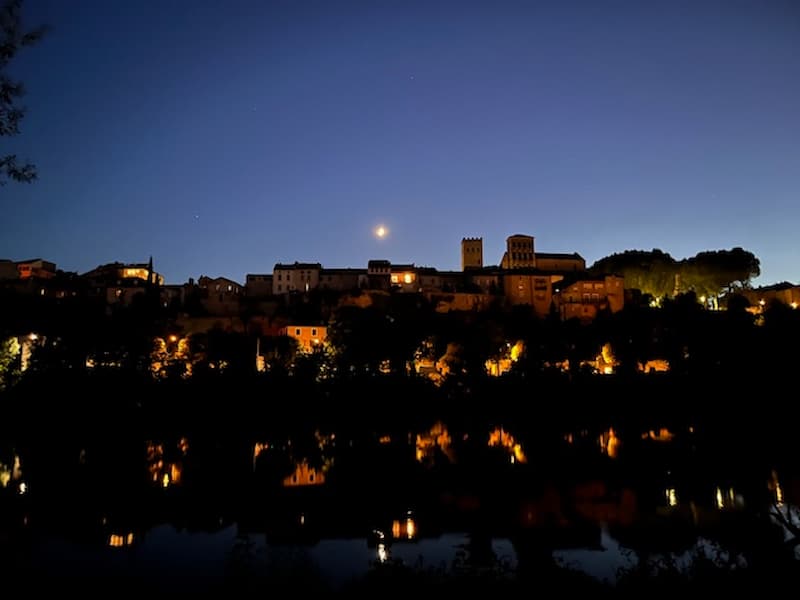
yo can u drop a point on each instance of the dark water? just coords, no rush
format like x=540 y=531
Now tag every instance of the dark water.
x=324 y=510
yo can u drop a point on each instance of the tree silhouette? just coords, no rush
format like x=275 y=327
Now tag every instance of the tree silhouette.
x=13 y=39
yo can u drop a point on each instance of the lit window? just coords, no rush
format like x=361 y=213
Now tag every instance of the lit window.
x=407 y=277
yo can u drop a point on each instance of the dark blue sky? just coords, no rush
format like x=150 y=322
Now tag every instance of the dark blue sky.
x=222 y=137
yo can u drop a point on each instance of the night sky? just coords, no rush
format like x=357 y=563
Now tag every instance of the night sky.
x=223 y=137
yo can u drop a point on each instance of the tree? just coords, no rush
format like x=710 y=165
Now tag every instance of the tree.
x=652 y=272
x=12 y=39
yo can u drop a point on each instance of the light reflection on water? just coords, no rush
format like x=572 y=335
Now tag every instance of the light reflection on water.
x=164 y=551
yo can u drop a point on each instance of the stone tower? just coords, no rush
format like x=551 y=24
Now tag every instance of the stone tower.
x=519 y=252
x=471 y=253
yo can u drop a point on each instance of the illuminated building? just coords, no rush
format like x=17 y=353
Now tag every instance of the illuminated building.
x=117 y=272
x=560 y=263
x=404 y=278
x=308 y=336
x=296 y=277
x=36 y=268
x=582 y=297
x=471 y=253
x=519 y=252
x=785 y=292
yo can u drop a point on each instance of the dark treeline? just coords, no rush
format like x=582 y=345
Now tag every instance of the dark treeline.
x=396 y=361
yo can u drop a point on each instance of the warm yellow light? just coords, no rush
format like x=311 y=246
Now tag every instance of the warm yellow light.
x=672 y=497
x=383 y=554
x=381 y=232
x=793 y=304
x=761 y=302
x=411 y=528
x=173 y=338
x=165 y=480
x=407 y=278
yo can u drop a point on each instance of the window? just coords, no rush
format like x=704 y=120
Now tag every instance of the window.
x=314 y=331
x=280 y=277
x=311 y=477
x=297 y=331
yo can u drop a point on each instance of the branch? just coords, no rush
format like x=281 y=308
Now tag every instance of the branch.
x=10 y=170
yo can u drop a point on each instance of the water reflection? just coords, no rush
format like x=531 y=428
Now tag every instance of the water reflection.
x=500 y=437
x=322 y=496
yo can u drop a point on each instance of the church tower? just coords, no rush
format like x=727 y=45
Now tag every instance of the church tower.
x=471 y=253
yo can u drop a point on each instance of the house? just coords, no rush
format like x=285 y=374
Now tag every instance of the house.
x=308 y=336
x=297 y=277
x=220 y=296
x=582 y=297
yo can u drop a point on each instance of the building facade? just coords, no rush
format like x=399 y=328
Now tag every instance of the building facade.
x=519 y=252
x=585 y=297
x=297 y=277
x=308 y=337
x=258 y=285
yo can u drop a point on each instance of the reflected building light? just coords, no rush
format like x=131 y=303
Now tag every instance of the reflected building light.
x=302 y=518
x=671 y=496
x=404 y=528
x=437 y=438
x=609 y=443
x=385 y=439
x=383 y=553
x=119 y=541
x=500 y=437
x=727 y=498
x=23 y=488
x=303 y=475
x=774 y=485
x=258 y=448
x=411 y=528
x=165 y=480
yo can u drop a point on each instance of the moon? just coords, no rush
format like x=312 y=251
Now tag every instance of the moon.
x=381 y=232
